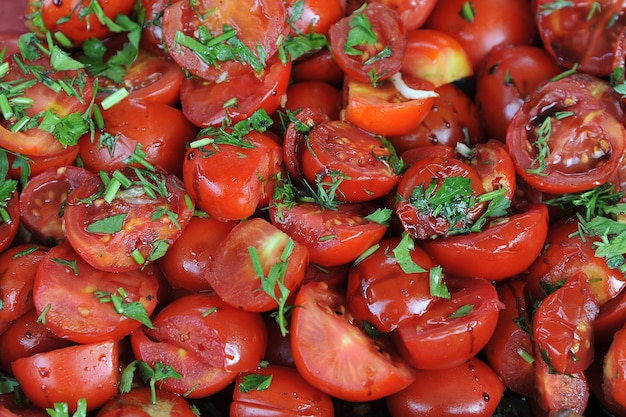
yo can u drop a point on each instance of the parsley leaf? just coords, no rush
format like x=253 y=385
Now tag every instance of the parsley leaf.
x=133 y=310
x=437 y=287
x=154 y=374
x=108 y=225
x=257 y=382
x=361 y=33
x=402 y=253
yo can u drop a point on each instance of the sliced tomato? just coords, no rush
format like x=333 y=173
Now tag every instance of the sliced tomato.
x=9 y=220
x=314 y=15
x=135 y=227
x=234 y=276
x=210 y=102
x=28 y=166
x=205 y=340
x=502 y=250
x=66 y=375
x=453 y=330
x=613 y=372
x=257 y=25
x=138 y=402
x=383 y=109
x=375 y=57
x=495 y=166
x=42 y=201
x=352 y=366
x=358 y=160
x=295 y=138
x=332 y=237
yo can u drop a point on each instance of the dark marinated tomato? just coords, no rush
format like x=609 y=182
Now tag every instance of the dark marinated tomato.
x=382 y=294
x=205 y=340
x=123 y=221
x=339 y=152
x=506 y=78
x=222 y=39
x=582 y=33
x=42 y=201
x=97 y=305
x=152 y=33
x=352 y=366
x=539 y=137
x=453 y=330
x=437 y=196
x=369 y=44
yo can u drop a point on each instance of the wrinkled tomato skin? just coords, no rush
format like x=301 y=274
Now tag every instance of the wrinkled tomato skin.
x=495 y=23
x=502 y=352
x=582 y=34
x=232 y=274
x=89 y=371
x=566 y=168
x=288 y=395
x=494 y=166
x=566 y=254
x=381 y=293
x=185 y=262
x=312 y=225
x=26 y=336
x=437 y=339
x=369 y=369
x=85 y=317
x=204 y=339
x=423 y=225
x=18 y=269
x=476 y=392
x=43 y=198
x=159 y=129
x=338 y=146
x=506 y=78
x=452 y=116
x=138 y=403
x=8 y=229
x=227 y=186
x=389 y=32
x=500 y=251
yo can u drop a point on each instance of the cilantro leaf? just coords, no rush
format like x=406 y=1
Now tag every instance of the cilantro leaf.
x=361 y=33
x=402 y=252
x=437 y=287
x=257 y=382
x=108 y=225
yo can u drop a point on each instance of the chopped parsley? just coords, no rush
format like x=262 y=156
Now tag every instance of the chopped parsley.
x=133 y=310
x=150 y=374
x=257 y=382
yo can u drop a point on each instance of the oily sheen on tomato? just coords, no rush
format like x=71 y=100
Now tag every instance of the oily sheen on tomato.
x=352 y=366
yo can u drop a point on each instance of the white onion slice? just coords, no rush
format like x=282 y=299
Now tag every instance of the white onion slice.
x=408 y=92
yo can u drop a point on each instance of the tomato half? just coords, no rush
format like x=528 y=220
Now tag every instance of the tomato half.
x=468 y=389
x=11 y=220
x=380 y=293
x=340 y=151
x=66 y=375
x=257 y=26
x=613 y=375
x=413 y=13
x=453 y=329
x=234 y=276
x=539 y=137
x=205 y=340
x=138 y=403
x=374 y=57
x=502 y=250
x=90 y=315
x=302 y=398
x=135 y=227
x=352 y=366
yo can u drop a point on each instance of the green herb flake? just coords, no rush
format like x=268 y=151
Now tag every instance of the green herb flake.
x=108 y=225
x=361 y=33
x=462 y=311
x=402 y=253
x=437 y=287
x=70 y=264
x=257 y=382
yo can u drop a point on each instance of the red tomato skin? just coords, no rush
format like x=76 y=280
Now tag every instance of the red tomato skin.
x=316 y=95
x=89 y=371
x=495 y=23
x=469 y=389
x=314 y=15
x=389 y=32
x=610 y=319
x=320 y=66
x=24 y=337
x=232 y=275
x=613 y=372
x=381 y=293
x=68 y=17
x=185 y=262
x=37 y=164
x=353 y=367
x=508 y=75
x=338 y=146
x=452 y=116
x=498 y=252
x=228 y=187
x=8 y=229
x=161 y=131
x=138 y=403
x=288 y=395
x=502 y=350
x=18 y=268
x=42 y=200
x=205 y=340
x=112 y=252
x=437 y=339
x=413 y=13
x=84 y=317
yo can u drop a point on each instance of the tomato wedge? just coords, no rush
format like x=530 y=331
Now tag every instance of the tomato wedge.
x=351 y=366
